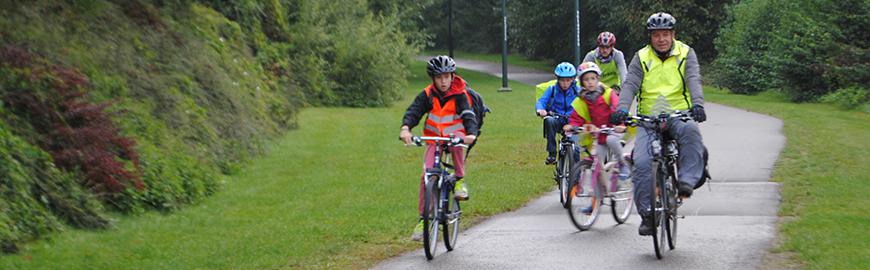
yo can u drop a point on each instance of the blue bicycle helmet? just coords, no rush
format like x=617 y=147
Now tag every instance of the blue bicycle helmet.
x=565 y=70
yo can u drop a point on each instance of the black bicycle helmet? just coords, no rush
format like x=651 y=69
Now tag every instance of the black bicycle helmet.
x=661 y=21
x=440 y=64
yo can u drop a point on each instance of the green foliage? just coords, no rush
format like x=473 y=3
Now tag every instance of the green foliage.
x=697 y=22
x=809 y=49
x=744 y=65
x=347 y=53
x=202 y=85
x=848 y=98
x=476 y=25
x=545 y=29
x=38 y=197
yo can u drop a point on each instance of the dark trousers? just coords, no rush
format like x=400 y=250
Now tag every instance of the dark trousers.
x=552 y=125
x=691 y=163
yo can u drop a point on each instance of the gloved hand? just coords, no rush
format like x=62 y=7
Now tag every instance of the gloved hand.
x=698 y=113
x=618 y=117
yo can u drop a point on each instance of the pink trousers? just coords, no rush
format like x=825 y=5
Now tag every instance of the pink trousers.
x=458 y=162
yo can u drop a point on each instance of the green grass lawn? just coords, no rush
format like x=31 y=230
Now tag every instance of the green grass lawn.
x=514 y=59
x=825 y=175
x=339 y=192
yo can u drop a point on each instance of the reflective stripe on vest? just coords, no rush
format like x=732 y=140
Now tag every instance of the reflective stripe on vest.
x=609 y=73
x=664 y=78
x=443 y=120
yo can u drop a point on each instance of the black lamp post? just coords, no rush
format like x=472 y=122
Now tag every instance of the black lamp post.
x=504 y=49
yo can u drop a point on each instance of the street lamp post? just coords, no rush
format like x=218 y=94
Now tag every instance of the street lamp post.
x=450 y=28
x=577 y=58
x=504 y=49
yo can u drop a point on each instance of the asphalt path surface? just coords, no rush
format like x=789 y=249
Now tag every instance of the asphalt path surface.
x=729 y=224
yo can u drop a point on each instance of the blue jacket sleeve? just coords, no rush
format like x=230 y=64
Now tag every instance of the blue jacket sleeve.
x=544 y=100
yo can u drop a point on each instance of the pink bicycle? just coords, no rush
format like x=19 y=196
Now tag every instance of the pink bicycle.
x=588 y=196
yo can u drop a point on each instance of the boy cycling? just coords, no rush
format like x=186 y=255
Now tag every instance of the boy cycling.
x=557 y=98
x=449 y=112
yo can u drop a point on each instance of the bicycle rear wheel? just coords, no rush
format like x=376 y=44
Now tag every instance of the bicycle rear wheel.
x=584 y=200
x=451 y=222
x=431 y=207
x=621 y=200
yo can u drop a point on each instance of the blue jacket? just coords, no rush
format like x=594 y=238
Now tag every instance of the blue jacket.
x=560 y=101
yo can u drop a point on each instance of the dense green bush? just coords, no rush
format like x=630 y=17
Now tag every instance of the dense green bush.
x=809 y=48
x=848 y=98
x=38 y=197
x=744 y=65
x=347 y=53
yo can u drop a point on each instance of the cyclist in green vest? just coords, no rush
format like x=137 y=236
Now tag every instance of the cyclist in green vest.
x=664 y=76
x=609 y=59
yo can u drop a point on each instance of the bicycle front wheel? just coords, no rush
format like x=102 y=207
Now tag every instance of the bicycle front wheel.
x=431 y=207
x=673 y=205
x=584 y=200
x=659 y=204
x=565 y=163
x=451 y=223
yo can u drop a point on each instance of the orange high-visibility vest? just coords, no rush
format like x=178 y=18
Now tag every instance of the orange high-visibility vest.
x=443 y=120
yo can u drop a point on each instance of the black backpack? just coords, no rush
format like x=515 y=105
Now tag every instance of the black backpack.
x=478 y=106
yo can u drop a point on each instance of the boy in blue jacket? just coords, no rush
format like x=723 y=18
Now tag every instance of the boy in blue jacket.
x=556 y=100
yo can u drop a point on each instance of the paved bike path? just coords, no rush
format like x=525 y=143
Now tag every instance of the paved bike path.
x=730 y=227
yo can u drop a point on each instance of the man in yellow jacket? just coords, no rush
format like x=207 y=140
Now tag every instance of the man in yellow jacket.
x=664 y=76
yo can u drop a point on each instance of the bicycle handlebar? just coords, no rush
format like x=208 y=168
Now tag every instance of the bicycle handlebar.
x=451 y=141
x=554 y=114
x=634 y=120
x=604 y=130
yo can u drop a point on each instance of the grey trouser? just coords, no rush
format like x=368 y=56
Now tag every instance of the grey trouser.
x=691 y=163
x=613 y=144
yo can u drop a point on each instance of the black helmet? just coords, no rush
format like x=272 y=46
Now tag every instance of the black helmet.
x=440 y=64
x=661 y=21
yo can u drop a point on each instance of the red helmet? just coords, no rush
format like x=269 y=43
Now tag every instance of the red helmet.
x=606 y=39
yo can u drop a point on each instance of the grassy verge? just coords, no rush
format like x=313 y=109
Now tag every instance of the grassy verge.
x=513 y=59
x=340 y=192
x=824 y=174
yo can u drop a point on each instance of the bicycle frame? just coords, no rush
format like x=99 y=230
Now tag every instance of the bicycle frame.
x=444 y=216
x=598 y=164
x=665 y=156
x=564 y=162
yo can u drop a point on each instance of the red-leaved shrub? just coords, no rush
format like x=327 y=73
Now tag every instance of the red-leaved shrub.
x=79 y=135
